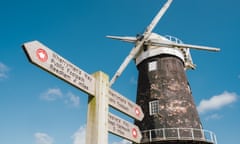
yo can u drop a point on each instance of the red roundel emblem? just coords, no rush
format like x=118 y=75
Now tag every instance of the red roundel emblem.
x=134 y=133
x=137 y=111
x=41 y=55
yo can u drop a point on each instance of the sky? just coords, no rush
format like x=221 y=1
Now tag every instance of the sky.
x=38 y=108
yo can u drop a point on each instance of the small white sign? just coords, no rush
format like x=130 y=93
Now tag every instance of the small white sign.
x=123 y=128
x=50 y=61
x=125 y=105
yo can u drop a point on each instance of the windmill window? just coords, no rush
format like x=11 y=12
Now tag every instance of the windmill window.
x=152 y=66
x=154 y=107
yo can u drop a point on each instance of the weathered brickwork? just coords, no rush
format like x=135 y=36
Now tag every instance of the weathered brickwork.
x=162 y=79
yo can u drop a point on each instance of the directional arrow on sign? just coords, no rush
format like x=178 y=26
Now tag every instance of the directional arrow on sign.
x=124 y=105
x=53 y=63
x=123 y=128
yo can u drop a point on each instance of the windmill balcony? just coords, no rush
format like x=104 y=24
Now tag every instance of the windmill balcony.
x=179 y=134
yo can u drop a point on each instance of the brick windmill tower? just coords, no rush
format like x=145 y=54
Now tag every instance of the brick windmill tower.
x=163 y=90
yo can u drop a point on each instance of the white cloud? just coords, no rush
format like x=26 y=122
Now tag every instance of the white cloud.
x=3 y=70
x=52 y=94
x=213 y=117
x=217 y=102
x=123 y=142
x=72 y=99
x=79 y=135
x=43 y=138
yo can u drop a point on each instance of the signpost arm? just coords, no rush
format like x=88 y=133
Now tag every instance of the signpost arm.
x=97 y=118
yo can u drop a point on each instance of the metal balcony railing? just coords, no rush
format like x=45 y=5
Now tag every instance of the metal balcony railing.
x=179 y=134
x=173 y=39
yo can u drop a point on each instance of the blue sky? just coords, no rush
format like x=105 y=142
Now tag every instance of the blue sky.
x=37 y=108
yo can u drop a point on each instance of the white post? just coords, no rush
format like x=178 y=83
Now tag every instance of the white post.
x=192 y=134
x=178 y=133
x=164 y=135
x=150 y=135
x=97 y=119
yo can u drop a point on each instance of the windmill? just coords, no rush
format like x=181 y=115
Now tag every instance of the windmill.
x=163 y=90
x=151 y=39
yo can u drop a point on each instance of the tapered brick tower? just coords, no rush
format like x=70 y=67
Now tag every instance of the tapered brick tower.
x=165 y=96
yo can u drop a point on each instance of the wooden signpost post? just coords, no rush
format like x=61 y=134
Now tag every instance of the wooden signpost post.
x=99 y=120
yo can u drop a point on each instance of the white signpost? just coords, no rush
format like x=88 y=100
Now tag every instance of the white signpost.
x=123 y=128
x=124 y=105
x=100 y=121
x=50 y=61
